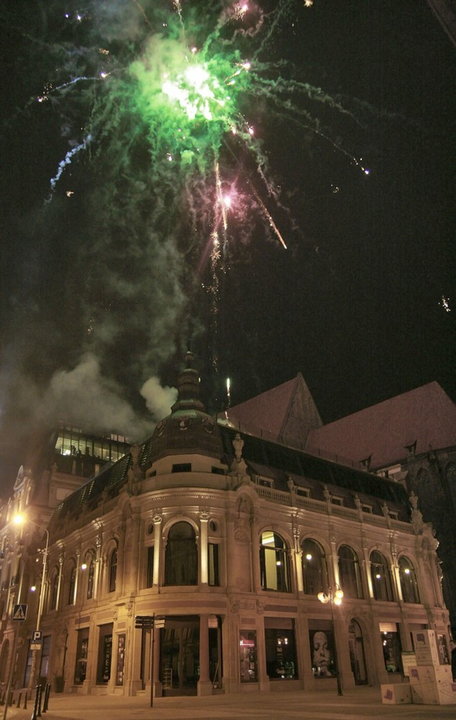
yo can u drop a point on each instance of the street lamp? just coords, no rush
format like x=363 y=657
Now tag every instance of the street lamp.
x=334 y=597
x=22 y=520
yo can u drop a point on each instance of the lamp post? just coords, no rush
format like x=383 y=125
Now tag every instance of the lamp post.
x=334 y=597
x=21 y=520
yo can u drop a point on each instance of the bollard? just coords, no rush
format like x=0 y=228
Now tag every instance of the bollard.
x=40 y=693
x=35 y=707
x=18 y=702
x=25 y=700
x=46 y=697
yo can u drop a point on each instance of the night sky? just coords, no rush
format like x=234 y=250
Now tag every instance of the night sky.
x=106 y=276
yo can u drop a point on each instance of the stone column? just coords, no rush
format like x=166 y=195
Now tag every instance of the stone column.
x=98 y=566
x=157 y=548
x=204 y=683
x=334 y=579
x=297 y=560
x=343 y=653
x=133 y=661
x=261 y=651
x=59 y=581
x=120 y=575
x=76 y=579
x=203 y=549
x=303 y=652
x=156 y=674
x=394 y=569
x=255 y=544
x=367 y=572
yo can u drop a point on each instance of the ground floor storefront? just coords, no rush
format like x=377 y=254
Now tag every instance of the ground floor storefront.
x=256 y=648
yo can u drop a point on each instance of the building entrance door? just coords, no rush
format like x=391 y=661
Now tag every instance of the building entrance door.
x=179 y=655
x=357 y=658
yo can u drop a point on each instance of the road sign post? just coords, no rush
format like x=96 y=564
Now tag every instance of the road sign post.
x=20 y=611
x=150 y=622
x=19 y=614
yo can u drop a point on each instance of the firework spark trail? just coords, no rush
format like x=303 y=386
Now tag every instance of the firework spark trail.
x=143 y=13
x=74 y=81
x=172 y=124
x=270 y=219
x=65 y=162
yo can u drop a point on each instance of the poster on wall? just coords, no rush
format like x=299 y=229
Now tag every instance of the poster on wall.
x=120 y=659
x=322 y=653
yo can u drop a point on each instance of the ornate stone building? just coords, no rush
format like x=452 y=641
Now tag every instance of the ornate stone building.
x=230 y=538
x=56 y=465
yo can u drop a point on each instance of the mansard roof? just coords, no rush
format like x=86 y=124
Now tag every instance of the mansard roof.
x=286 y=413
x=423 y=419
x=263 y=457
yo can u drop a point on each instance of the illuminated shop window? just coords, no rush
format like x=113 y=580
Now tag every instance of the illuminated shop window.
x=248 y=656
x=280 y=643
x=391 y=646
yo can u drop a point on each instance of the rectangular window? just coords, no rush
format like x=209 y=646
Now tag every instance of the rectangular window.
x=391 y=645
x=28 y=667
x=150 y=566
x=248 y=656
x=280 y=643
x=213 y=564
x=104 y=653
x=182 y=467
x=82 y=649
x=120 y=659
x=46 y=651
x=217 y=470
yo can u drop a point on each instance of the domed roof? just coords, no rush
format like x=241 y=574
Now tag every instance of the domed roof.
x=189 y=428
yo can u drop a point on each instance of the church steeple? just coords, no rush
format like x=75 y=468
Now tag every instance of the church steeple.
x=188 y=387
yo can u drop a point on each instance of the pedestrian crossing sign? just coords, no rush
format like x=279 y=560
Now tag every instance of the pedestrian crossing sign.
x=20 y=611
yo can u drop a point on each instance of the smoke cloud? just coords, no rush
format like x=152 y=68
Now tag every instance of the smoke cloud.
x=158 y=399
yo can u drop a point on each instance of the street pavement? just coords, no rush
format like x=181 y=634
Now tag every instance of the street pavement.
x=362 y=703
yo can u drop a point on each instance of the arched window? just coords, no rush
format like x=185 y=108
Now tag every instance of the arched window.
x=112 y=567
x=349 y=574
x=71 y=583
x=314 y=569
x=90 y=561
x=409 y=585
x=381 y=577
x=274 y=567
x=181 y=559
x=54 y=589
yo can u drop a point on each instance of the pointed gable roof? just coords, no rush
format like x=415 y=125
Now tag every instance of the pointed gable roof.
x=422 y=419
x=285 y=413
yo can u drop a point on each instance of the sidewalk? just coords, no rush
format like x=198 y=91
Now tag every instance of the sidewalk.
x=362 y=703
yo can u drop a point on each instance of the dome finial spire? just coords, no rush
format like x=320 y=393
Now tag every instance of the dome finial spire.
x=188 y=387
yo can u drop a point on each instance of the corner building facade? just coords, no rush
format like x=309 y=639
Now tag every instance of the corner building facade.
x=230 y=538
